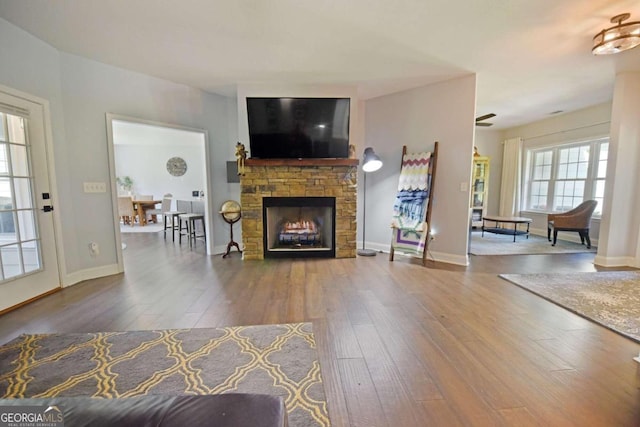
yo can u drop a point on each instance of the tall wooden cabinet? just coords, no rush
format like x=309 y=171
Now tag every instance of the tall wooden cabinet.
x=479 y=189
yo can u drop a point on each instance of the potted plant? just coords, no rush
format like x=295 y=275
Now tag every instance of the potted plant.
x=126 y=183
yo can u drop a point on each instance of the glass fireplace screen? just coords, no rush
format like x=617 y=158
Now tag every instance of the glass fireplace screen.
x=299 y=224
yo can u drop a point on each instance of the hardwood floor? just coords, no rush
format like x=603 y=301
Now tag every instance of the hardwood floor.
x=399 y=344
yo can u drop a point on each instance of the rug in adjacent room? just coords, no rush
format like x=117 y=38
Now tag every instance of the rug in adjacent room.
x=270 y=359
x=610 y=298
x=137 y=228
x=501 y=244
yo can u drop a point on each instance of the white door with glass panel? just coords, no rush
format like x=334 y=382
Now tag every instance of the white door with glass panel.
x=28 y=261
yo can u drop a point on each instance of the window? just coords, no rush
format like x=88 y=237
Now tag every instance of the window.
x=19 y=239
x=563 y=176
x=601 y=174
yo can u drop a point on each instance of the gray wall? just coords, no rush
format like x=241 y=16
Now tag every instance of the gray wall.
x=417 y=118
x=81 y=92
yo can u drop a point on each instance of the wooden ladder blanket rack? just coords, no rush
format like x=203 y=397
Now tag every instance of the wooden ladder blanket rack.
x=411 y=224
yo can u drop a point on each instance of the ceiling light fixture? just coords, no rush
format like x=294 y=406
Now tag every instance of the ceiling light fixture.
x=618 y=38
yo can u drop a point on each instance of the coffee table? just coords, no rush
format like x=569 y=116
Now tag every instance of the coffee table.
x=515 y=220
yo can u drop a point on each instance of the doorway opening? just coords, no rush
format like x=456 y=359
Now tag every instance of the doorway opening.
x=157 y=161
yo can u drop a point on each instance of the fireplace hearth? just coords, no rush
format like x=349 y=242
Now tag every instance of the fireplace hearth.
x=299 y=227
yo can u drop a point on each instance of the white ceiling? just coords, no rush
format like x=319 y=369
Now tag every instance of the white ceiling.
x=532 y=57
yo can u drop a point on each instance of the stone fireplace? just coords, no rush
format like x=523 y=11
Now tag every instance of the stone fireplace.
x=331 y=180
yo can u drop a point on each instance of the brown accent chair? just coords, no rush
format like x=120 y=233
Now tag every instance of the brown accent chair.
x=577 y=219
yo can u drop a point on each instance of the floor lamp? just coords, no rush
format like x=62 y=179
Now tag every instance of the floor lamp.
x=370 y=163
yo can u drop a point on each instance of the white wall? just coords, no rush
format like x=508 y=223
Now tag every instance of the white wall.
x=588 y=123
x=417 y=118
x=620 y=218
x=141 y=152
x=574 y=126
x=81 y=92
x=149 y=173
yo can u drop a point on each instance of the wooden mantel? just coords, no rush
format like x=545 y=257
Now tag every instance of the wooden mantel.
x=302 y=162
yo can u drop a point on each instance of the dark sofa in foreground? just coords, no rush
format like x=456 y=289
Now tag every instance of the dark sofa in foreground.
x=221 y=410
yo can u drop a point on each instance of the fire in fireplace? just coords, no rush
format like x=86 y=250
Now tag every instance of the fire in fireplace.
x=299 y=227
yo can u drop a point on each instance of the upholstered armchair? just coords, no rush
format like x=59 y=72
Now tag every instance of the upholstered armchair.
x=125 y=210
x=166 y=207
x=577 y=219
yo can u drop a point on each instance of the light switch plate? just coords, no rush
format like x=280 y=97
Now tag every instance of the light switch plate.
x=95 y=187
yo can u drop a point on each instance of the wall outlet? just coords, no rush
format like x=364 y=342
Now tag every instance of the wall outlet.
x=94 y=249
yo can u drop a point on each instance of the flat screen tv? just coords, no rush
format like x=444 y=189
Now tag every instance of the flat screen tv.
x=298 y=128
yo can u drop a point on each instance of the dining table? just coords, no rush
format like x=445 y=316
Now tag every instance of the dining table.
x=141 y=206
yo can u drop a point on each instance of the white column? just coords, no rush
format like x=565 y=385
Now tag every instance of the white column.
x=618 y=243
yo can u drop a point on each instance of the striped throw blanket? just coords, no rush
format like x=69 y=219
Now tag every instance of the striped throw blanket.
x=408 y=223
x=414 y=174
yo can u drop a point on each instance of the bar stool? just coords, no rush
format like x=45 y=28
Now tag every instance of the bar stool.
x=171 y=215
x=188 y=221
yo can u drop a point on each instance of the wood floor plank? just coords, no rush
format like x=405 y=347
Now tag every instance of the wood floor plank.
x=362 y=400
x=397 y=403
x=460 y=395
x=314 y=297
x=439 y=413
x=396 y=339
x=344 y=339
x=519 y=417
x=297 y=289
x=528 y=384
x=331 y=377
x=587 y=391
x=495 y=392
x=491 y=325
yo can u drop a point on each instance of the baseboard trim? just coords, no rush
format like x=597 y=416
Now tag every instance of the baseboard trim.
x=448 y=258
x=437 y=257
x=90 y=273
x=431 y=255
x=621 y=261
x=29 y=301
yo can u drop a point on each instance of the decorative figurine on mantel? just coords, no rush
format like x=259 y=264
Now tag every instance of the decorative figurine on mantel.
x=241 y=156
x=475 y=152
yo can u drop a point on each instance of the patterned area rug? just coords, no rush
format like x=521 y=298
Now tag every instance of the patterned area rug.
x=270 y=359
x=610 y=298
x=137 y=228
x=499 y=244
